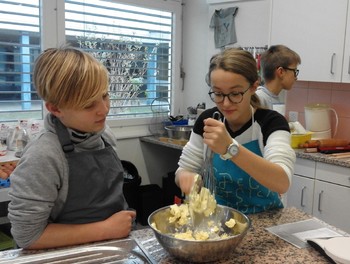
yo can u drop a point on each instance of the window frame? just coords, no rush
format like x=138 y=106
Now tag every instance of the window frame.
x=53 y=25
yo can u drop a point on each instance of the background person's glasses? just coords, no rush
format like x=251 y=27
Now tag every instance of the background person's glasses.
x=234 y=97
x=296 y=71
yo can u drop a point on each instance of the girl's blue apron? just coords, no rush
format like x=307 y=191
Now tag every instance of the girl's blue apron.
x=235 y=188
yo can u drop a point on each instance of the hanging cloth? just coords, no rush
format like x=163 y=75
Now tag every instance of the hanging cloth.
x=223 y=23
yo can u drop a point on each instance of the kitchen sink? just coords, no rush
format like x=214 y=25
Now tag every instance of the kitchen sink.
x=127 y=251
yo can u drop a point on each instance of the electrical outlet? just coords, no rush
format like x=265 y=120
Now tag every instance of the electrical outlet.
x=293 y=116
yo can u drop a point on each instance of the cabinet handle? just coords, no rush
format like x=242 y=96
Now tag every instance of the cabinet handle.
x=302 y=197
x=319 y=201
x=349 y=66
x=332 y=60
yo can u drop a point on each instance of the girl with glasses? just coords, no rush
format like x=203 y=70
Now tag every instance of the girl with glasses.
x=253 y=161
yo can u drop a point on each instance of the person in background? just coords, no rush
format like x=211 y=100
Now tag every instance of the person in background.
x=67 y=188
x=279 y=71
x=253 y=160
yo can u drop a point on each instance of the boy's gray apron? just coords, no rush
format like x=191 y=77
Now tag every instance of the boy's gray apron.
x=95 y=189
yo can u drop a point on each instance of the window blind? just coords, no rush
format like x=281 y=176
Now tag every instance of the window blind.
x=19 y=46
x=135 y=44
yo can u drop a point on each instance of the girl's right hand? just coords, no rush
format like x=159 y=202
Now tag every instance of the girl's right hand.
x=185 y=180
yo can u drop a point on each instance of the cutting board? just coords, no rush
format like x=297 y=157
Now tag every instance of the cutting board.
x=337 y=248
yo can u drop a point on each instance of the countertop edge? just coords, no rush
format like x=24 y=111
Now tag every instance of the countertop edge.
x=325 y=158
x=300 y=153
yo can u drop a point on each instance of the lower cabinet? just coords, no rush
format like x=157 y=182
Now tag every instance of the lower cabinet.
x=300 y=194
x=322 y=190
x=332 y=204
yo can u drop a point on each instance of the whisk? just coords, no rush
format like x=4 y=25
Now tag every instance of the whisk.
x=201 y=200
x=207 y=171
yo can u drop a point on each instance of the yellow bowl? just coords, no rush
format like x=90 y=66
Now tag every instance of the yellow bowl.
x=298 y=139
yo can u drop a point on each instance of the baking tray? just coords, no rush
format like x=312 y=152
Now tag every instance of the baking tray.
x=297 y=233
x=117 y=251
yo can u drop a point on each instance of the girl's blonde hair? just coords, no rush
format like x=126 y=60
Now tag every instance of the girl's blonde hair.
x=69 y=78
x=237 y=61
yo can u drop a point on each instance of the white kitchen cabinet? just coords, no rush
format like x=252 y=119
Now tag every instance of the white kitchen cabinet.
x=316 y=31
x=332 y=195
x=346 y=62
x=302 y=190
x=332 y=204
x=322 y=190
x=300 y=194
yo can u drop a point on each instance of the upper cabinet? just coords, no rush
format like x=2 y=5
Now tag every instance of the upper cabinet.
x=316 y=30
x=346 y=63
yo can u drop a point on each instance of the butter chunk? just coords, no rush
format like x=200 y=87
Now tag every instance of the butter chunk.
x=230 y=223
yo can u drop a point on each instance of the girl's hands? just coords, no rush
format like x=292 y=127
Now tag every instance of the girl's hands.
x=216 y=136
x=185 y=180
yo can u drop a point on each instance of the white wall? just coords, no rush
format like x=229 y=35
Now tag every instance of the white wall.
x=252 y=29
x=195 y=51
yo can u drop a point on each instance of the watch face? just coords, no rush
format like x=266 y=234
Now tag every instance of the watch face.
x=233 y=149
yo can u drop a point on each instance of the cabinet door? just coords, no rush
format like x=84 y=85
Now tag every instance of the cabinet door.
x=315 y=30
x=300 y=194
x=331 y=204
x=346 y=63
x=304 y=167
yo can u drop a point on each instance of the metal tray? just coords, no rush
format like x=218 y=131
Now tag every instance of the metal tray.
x=117 y=251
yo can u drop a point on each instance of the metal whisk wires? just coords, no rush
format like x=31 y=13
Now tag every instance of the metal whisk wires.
x=208 y=172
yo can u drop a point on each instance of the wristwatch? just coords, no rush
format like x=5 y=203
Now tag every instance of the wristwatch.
x=232 y=150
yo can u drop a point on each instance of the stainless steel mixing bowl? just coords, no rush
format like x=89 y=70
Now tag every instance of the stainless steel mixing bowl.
x=179 y=132
x=200 y=251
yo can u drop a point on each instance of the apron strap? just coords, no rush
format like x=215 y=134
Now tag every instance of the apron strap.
x=63 y=136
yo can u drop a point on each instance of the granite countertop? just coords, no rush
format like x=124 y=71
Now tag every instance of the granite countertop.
x=259 y=245
x=326 y=158
x=157 y=141
x=300 y=153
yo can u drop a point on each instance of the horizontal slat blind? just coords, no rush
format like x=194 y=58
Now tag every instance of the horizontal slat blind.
x=19 y=46
x=135 y=44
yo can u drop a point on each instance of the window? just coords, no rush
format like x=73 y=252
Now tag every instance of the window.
x=134 y=40
x=19 y=46
x=134 y=43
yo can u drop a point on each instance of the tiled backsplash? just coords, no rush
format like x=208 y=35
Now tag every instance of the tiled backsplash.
x=337 y=95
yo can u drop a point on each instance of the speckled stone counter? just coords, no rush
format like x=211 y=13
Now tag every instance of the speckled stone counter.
x=259 y=245
x=326 y=158
x=155 y=140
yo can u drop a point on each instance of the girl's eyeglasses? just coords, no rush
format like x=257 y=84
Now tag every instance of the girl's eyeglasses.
x=234 y=97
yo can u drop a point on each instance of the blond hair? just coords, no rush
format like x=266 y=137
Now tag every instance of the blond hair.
x=69 y=78
x=237 y=61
